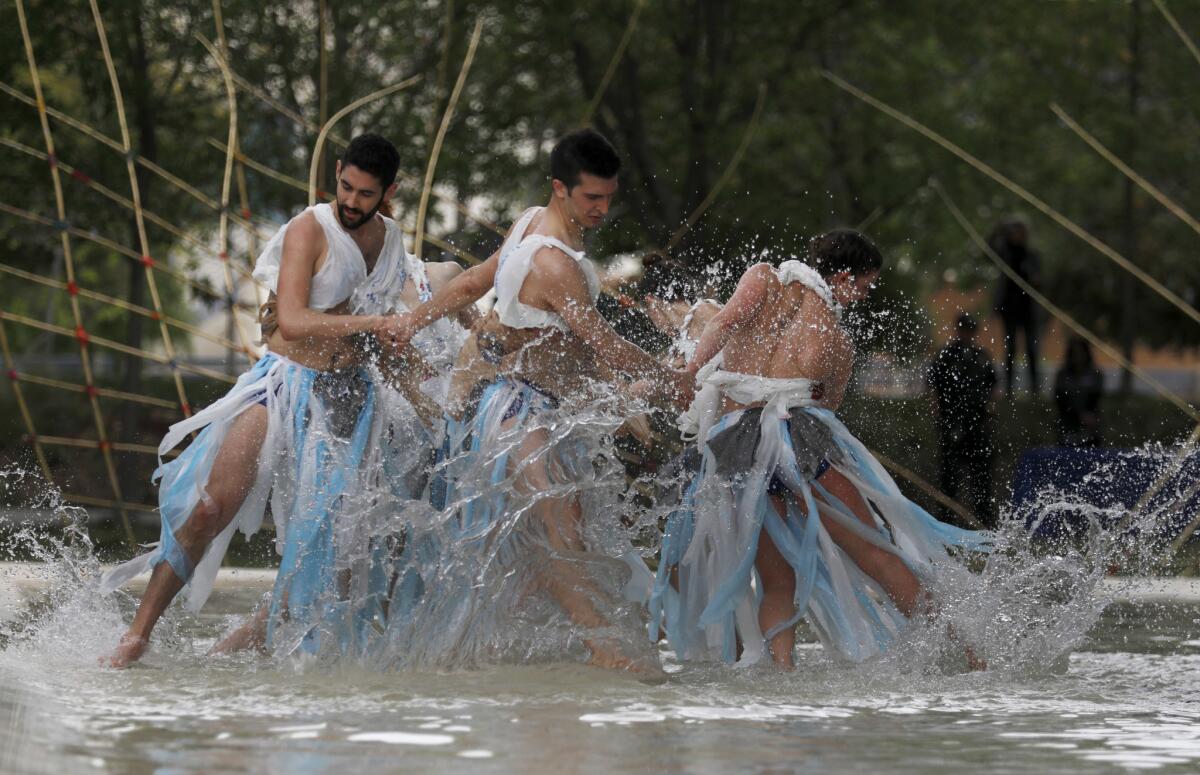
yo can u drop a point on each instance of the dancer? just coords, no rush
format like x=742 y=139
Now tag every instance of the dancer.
x=297 y=425
x=530 y=447
x=772 y=369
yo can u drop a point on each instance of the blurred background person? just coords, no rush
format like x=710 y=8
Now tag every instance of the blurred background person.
x=962 y=385
x=1016 y=308
x=1078 y=388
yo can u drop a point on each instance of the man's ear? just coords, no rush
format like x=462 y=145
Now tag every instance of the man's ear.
x=337 y=170
x=560 y=188
x=391 y=191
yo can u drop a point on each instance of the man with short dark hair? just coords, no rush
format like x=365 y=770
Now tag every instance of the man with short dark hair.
x=962 y=382
x=789 y=515
x=530 y=432
x=298 y=427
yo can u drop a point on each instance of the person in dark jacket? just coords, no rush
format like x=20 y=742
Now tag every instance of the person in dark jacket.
x=962 y=381
x=1078 y=387
x=1016 y=308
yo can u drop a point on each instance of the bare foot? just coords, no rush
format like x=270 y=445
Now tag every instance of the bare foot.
x=252 y=634
x=610 y=657
x=129 y=650
x=974 y=661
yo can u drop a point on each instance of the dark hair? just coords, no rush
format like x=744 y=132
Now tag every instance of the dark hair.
x=373 y=155
x=966 y=324
x=844 y=250
x=584 y=150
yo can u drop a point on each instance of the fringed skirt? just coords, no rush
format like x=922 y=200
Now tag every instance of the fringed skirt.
x=706 y=592
x=473 y=584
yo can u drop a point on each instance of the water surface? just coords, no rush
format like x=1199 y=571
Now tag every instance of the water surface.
x=1125 y=699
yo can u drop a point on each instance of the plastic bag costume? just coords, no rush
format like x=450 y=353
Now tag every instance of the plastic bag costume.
x=328 y=435
x=474 y=589
x=781 y=449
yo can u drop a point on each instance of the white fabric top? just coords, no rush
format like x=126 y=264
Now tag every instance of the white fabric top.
x=793 y=271
x=777 y=394
x=516 y=258
x=344 y=272
x=685 y=344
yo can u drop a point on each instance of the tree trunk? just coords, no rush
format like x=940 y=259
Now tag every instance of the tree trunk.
x=1129 y=221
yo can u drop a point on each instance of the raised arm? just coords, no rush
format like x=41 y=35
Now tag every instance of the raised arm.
x=566 y=293
x=453 y=298
x=742 y=308
x=302 y=246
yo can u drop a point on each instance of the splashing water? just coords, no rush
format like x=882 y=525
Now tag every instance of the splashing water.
x=1059 y=691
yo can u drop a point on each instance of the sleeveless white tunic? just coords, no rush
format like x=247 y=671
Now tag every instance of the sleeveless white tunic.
x=516 y=259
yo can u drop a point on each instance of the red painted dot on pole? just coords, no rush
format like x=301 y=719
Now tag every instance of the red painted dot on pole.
x=246 y=213
x=81 y=176
x=148 y=262
x=30 y=437
x=223 y=256
x=52 y=160
x=92 y=391
x=155 y=315
x=72 y=288
x=13 y=375
x=186 y=407
x=81 y=335
x=322 y=194
x=104 y=446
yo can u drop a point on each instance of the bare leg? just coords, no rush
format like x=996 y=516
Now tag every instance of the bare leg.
x=251 y=635
x=893 y=575
x=232 y=476
x=779 y=595
x=561 y=517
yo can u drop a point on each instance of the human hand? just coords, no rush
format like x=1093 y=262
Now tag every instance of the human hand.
x=394 y=330
x=681 y=389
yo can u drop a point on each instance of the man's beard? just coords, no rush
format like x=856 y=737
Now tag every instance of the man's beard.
x=348 y=225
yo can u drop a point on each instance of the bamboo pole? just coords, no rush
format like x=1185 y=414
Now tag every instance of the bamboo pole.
x=611 y=70
x=933 y=492
x=22 y=406
x=1020 y=191
x=1183 y=36
x=1126 y=170
x=173 y=180
x=80 y=333
x=1058 y=312
x=358 y=103
x=447 y=115
x=226 y=186
x=117 y=302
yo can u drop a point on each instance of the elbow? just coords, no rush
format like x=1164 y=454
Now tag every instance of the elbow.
x=288 y=329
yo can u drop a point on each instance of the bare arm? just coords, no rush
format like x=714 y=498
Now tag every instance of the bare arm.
x=454 y=297
x=302 y=246
x=442 y=273
x=566 y=293
x=743 y=308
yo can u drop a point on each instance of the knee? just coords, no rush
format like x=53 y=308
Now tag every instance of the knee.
x=207 y=518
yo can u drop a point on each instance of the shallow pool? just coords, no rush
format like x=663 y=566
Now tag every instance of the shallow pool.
x=1128 y=698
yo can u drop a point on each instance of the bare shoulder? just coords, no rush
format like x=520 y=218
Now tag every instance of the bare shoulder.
x=305 y=235
x=554 y=263
x=761 y=273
